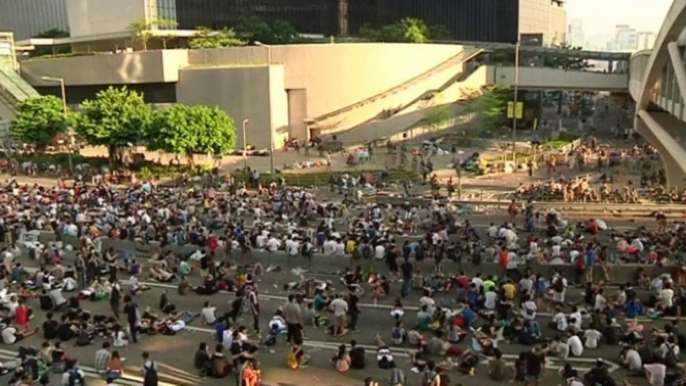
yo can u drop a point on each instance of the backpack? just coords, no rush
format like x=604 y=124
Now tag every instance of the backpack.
x=396 y=335
x=559 y=285
x=670 y=357
x=150 y=378
x=75 y=378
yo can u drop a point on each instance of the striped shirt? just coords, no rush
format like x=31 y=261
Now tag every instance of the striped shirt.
x=102 y=359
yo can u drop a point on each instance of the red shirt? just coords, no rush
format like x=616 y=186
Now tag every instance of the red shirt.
x=212 y=243
x=504 y=258
x=22 y=315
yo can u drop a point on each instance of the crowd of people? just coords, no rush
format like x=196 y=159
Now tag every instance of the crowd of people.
x=226 y=229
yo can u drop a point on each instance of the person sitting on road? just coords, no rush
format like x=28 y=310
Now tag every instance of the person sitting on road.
x=161 y=275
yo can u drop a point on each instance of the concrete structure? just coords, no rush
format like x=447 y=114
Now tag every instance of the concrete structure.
x=658 y=84
x=537 y=78
x=302 y=82
x=575 y=33
x=544 y=20
x=626 y=38
x=28 y=18
x=106 y=17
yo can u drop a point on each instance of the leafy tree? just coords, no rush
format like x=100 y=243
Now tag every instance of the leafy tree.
x=142 y=28
x=408 y=30
x=38 y=120
x=257 y=30
x=207 y=38
x=493 y=105
x=183 y=129
x=436 y=117
x=115 y=119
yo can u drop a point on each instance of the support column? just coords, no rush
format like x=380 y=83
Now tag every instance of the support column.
x=678 y=68
x=676 y=176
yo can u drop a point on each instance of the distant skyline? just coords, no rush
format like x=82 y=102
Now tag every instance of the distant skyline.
x=601 y=16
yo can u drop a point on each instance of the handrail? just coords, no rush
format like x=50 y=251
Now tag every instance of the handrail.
x=9 y=88
x=395 y=89
x=19 y=82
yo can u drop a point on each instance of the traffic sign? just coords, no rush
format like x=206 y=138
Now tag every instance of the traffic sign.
x=511 y=110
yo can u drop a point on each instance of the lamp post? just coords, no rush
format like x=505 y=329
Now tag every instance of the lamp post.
x=245 y=145
x=66 y=116
x=271 y=128
x=518 y=46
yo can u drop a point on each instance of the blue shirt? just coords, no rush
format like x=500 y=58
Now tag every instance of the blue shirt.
x=220 y=328
x=590 y=258
x=469 y=315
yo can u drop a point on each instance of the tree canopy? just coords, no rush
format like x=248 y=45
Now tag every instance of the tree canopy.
x=257 y=30
x=115 y=118
x=408 y=30
x=142 y=28
x=183 y=129
x=38 y=120
x=493 y=105
x=207 y=38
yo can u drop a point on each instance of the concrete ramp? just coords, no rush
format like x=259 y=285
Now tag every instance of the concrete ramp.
x=400 y=99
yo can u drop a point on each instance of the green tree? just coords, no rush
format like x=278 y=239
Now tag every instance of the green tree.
x=408 y=30
x=257 y=30
x=492 y=106
x=414 y=30
x=115 y=119
x=438 y=32
x=436 y=117
x=142 y=28
x=183 y=129
x=38 y=120
x=207 y=38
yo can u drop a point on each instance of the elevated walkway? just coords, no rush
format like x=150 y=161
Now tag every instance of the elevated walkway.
x=412 y=95
x=535 y=78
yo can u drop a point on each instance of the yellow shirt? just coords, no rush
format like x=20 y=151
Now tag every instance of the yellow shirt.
x=510 y=290
x=350 y=247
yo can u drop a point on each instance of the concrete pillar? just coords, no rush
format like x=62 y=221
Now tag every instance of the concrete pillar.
x=610 y=65
x=674 y=173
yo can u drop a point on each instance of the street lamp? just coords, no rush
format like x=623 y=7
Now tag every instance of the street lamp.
x=66 y=116
x=271 y=128
x=245 y=145
x=518 y=46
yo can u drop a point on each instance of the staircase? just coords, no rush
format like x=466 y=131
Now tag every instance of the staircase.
x=13 y=90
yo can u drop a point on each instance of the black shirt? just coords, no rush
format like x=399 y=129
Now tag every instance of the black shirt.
x=50 y=329
x=357 y=360
x=131 y=314
x=534 y=363
x=65 y=332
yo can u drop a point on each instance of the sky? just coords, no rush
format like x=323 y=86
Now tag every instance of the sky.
x=600 y=16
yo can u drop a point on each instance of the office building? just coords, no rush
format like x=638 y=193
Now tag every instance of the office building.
x=543 y=22
x=646 y=40
x=469 y=20
x=28 y=18
x=626 y=38
x=575 y=33
x=88 y=18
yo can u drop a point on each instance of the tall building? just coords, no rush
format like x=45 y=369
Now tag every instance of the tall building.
x=103 y=17
x=626 y=38
x=471 y=20
x=28 y=18
x=543 y=22
x=646 y=40
x=575 y=33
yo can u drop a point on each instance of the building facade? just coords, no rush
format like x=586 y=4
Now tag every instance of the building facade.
x=543 y=21
x=28 y=18
x=626 y=38
x=104 y=17
x=646 y=40
x=575 y=33
x=471 y=20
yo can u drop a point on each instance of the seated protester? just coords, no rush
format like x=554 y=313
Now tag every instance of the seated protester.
x=668 y=352
x=321 y=302
x=11 y=335
x=119 y=338
x=50 y=327
x=468 y=362
x=46 y=302
x=208 y=313
x=341 y=360
x=73 y=374
x=202 y=360
x=576 y=348
x=66 y=330
x=209 y=287
x=296 y=356
x=559 y=321
x=137 y=287
x=357 y=356
x=424 y=318
x=455 y=334
x=420 y=357
x=59 y=358
x=161 y=275
x=592 y=338
x=414 y=337
x=57 y=297
x=599 y=375
x=438 y=347
x=496 y=367
x=384 y=357
x=630 y=359
x=219 y=364
x=398 y=334
x=84 y=335
x=184 y=286
x=149 y=321
x=166 y=306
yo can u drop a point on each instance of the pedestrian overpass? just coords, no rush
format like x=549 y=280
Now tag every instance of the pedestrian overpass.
x=657 y=82
x=543 y=78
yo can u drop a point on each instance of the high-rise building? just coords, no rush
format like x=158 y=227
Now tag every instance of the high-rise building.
x=626 y=38
x=103 y=17
x=646 y=40
x=543 y=21
x=28 y=18
x=575 y=33
x=469 y=20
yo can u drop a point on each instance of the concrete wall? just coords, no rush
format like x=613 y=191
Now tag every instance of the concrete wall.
x=550 y=78
x=337 y=75
x=637 y=69
x=103 y=69
x=99 y=17
x=241 y=91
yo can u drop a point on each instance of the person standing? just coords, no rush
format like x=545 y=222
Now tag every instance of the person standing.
x=407 y=270
x=253 y=300
x=115 y=299
x=535 y=364
x=131 y=310
x=353 y=310
x=149 y=370
x=292 y=315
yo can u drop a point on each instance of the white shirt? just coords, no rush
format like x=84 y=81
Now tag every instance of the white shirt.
x=273 y=244
x=667 y=297
x=600 y=302
x=592 y=338
x=227 y=338
x=633 y=360
x=429 y=302
x=259 y=241
x=666 y=347
x=575 y=346
x=531 y=307
x=329 y=247
x=657 y=372
x=340 y=249
x=560 y=320
x=208 y=315
x=490 y=298
x=577 y=319
x=293 y=247
x=379 y=252
x=8 y=335
x=119 y=339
